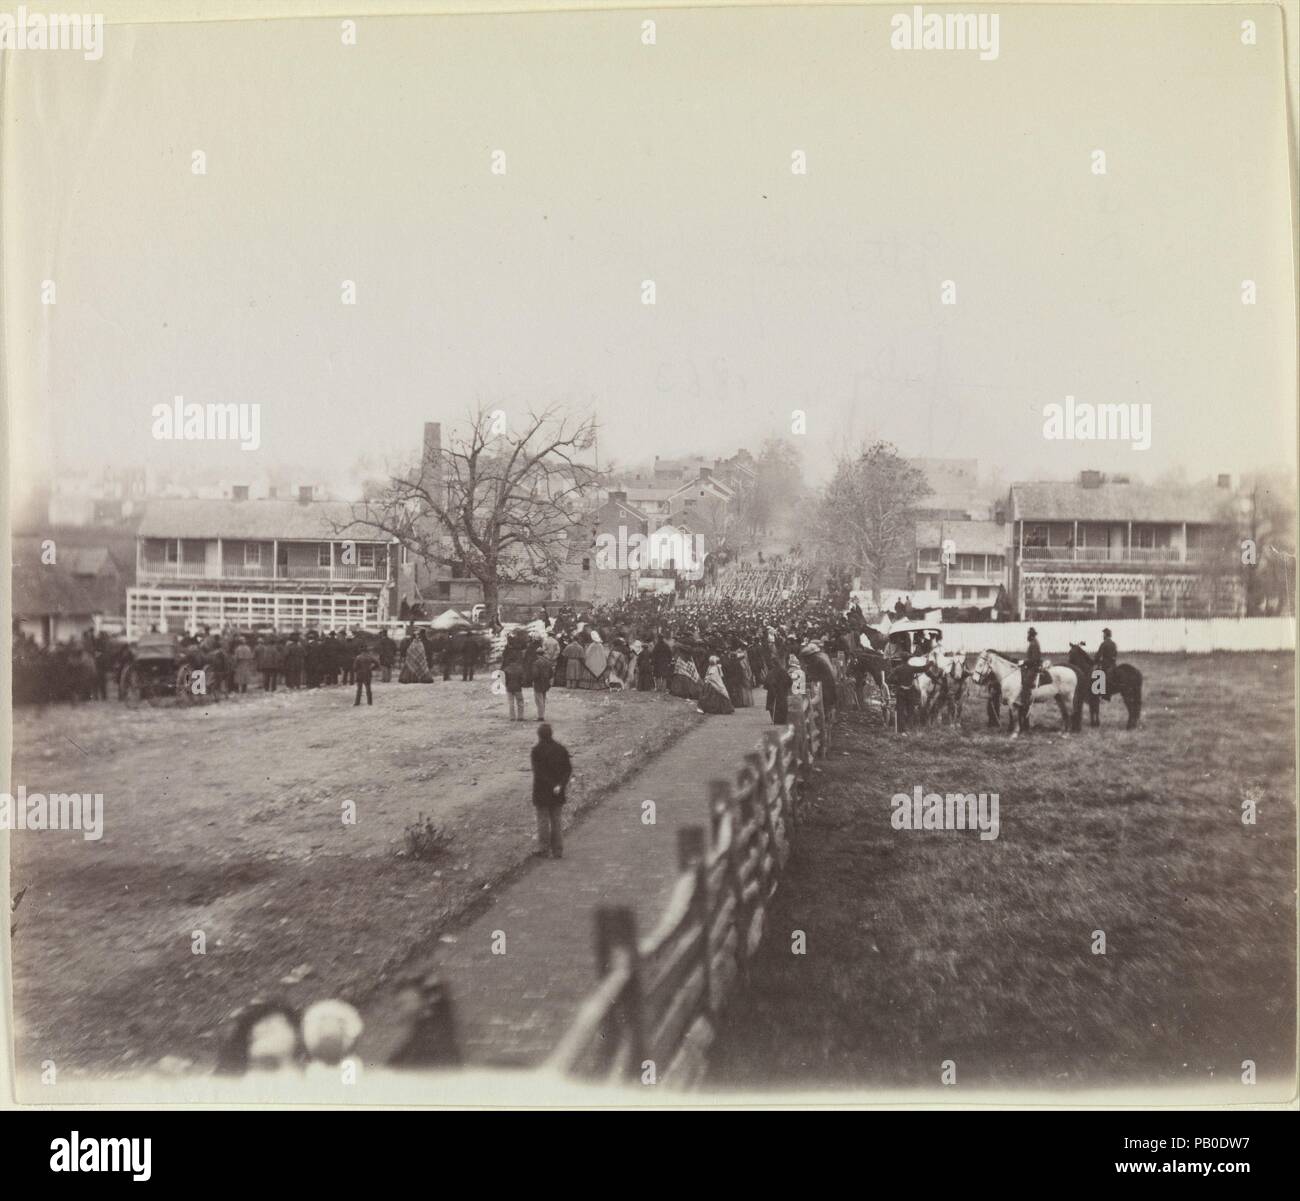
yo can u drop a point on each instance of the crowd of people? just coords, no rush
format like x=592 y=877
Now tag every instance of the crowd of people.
x=713 y=653
x=72 y=671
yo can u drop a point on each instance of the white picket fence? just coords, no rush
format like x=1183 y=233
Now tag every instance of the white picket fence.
x=1172 y=635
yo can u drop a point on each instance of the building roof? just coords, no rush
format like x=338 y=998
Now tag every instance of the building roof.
x=970 y=537
x=704 y=484
x=1071 y=501
x=259 y=520
x=41 y=589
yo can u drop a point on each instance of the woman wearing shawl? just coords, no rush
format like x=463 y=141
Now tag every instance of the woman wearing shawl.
x=778 y=686
x=573 y=665
x=686 y=680
x=595 y=660
x=713 y=692
x=740 y=684
x=620 y=666
x=415 y=667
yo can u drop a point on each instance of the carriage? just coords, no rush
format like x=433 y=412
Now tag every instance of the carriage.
x=883 y=652
x=154 y=670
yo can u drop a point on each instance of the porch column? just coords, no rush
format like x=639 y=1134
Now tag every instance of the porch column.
x=275 y=556
x=1020 y=575
x=331 y=562
x=221 y=561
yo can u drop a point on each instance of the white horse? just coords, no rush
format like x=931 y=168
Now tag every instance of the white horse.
x=1063 y=681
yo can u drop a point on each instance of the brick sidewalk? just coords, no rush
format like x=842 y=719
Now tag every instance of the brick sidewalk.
x=512 y=1008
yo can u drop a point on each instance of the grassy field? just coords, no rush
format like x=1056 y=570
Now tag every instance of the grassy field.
x=228 y=819
x=934 y=945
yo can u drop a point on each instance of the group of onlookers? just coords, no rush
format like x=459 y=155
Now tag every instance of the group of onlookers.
x=76 y=670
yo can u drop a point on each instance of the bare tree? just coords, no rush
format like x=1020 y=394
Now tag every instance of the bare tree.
x=497 y=504
x=773 y=491
x=866 y=516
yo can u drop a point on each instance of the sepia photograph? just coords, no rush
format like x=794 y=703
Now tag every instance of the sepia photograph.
x=613 y=557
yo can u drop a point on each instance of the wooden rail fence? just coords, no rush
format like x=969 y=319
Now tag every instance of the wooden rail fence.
x=658 y=998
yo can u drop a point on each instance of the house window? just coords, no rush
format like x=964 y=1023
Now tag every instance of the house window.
x=324 y=554
x=173 y=551
x=586 y=565
x=365 y=556
x=252 y=554
x=444 y=590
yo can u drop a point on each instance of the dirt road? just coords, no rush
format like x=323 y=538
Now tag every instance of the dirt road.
x=216 y=824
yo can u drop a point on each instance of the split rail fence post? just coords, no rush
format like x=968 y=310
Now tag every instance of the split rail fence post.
x=692 y=856
x=616 y=930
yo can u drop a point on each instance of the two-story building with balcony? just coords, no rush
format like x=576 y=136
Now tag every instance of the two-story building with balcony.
x=1100 y=547
x=282 y=564
x=960 y=563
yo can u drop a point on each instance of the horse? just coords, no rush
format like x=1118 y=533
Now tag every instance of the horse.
x=1123 y=679
x=950 y=674
x=865 y=660
x=1061 y=686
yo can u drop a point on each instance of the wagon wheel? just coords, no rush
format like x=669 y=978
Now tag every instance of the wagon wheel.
x=888 y=711
x=183 y=675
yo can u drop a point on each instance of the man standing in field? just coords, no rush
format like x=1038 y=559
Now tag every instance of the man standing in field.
x=387 y=656
x=551 y=771
x=363 y=667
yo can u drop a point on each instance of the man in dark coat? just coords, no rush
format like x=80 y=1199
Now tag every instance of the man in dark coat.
x=1030 y=666
x=361 y=670
x=468 y=655
x=551 y=771
x=1107 y=654
x=311 y=660
x=663 y=664
x=293 y=663
x=388 y=656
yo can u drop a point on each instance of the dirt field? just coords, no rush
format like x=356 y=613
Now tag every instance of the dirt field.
x=933 y=945
x=216 y=821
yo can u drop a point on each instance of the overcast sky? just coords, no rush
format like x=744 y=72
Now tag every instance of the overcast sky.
x=672 y=163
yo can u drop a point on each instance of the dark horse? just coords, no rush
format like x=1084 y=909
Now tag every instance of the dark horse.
x=1124 y=680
